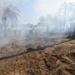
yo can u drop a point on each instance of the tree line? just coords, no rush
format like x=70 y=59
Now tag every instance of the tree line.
x=62 y=22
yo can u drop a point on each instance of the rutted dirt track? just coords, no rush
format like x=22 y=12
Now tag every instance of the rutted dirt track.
x=56 y=60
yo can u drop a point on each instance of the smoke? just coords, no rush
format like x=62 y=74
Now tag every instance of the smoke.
x=9 y=2
x=46 y=31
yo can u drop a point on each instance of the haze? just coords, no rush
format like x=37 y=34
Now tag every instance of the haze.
x=31 y=10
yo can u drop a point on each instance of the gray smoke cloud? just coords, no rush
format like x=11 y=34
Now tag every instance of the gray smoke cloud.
x=4 y=3
x=46 y=25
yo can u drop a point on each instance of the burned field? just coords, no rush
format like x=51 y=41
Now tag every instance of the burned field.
x=56 y=58
x=33 y=43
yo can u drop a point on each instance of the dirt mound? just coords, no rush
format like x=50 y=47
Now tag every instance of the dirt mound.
x=55 y=60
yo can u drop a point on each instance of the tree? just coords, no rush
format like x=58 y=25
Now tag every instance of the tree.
x=42 y=20
x=63 y=10
x=72 y=19
x=42 y=23
x=49 y=23
x=9 y=17
x=72 y=14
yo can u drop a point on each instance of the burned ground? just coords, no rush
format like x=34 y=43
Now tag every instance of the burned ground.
x=55 y=60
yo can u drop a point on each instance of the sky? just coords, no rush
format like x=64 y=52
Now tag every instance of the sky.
x=32 y=10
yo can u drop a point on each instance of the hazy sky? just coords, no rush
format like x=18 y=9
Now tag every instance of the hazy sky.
x=31 y=10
